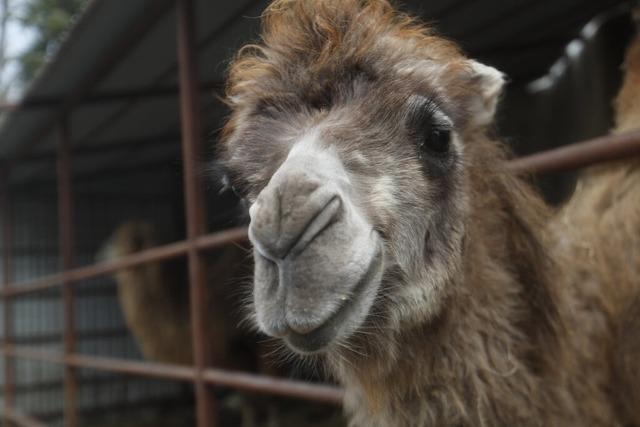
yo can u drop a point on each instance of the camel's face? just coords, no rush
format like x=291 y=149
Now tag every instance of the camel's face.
x=346 y=198
x=354 y=171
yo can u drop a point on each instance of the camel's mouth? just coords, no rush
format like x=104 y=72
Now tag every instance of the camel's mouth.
x=347 y=317
x=321 y=296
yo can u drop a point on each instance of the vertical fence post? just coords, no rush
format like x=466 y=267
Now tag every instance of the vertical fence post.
x=66 y=243
x=194 y=206
x=7 y=266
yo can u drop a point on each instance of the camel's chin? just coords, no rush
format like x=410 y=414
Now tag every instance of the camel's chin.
x=348 y=317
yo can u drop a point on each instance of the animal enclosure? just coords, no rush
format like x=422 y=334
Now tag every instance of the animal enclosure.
x=69 y=358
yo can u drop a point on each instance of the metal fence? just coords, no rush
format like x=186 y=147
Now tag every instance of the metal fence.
x=203 y=374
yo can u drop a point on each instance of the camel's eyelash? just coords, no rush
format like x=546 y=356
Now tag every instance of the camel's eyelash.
x=426 y=112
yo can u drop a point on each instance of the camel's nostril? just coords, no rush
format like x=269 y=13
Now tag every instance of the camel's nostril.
x=324 y=218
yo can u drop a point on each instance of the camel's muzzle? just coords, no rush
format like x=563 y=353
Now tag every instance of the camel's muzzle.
x=318 y=261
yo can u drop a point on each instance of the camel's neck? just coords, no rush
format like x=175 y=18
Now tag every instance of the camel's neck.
x=480 y=347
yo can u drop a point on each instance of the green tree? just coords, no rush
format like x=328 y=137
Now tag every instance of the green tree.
x=49 y=19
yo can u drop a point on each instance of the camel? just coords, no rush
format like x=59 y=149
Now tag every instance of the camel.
x=154 y=299
x=393 y=245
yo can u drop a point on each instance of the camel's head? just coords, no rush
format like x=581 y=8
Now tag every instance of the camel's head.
x=347 y=137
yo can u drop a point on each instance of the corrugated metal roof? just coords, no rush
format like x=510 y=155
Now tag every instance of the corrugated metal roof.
x=80 y=52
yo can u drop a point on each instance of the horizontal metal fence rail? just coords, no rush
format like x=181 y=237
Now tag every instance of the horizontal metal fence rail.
x=581 y=154
x=237 y=380
x=20 y=419
x=159 y=253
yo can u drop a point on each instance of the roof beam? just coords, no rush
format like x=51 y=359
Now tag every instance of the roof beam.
x=54 y=102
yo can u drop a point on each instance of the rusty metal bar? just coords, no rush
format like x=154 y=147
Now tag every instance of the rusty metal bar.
x=7 y=269
x=20 y=419
x=160 y=253
x=143 y=368
x=206 y=408
x=581 y=154
x=236 y=380
x=89 y=335
x=268 y=385
x=55 y=385
x=214 y=240
x=67 y=238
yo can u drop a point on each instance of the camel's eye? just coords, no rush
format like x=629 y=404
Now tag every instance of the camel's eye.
x=430 y=127
x=436 y=141
x=431 y=130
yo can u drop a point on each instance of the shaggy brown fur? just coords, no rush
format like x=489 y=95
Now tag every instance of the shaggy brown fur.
x=537 y=323
x=598 y=232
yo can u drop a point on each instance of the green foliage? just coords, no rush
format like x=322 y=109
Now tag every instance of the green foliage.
x=49 y=19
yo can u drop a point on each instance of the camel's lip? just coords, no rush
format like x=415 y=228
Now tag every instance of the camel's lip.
x=320 y=338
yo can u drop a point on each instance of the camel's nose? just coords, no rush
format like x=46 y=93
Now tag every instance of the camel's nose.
x=291 y=211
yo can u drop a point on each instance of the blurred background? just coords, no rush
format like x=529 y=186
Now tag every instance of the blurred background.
x=103 y=75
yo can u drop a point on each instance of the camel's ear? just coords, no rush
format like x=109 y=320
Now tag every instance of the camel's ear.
x=486 y=85
x=472 y=87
